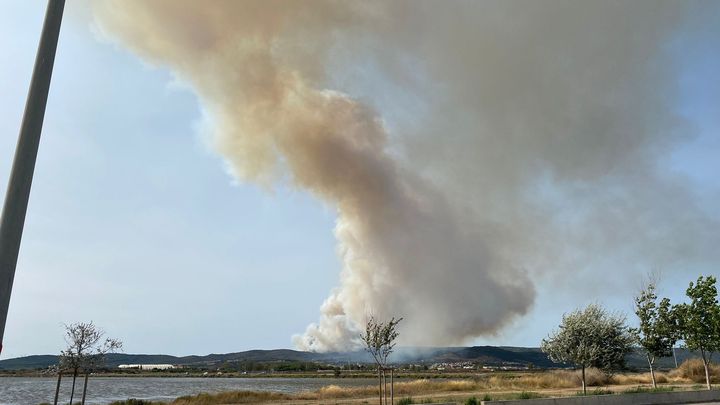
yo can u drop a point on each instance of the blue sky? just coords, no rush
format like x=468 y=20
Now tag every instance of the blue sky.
x=134 y=222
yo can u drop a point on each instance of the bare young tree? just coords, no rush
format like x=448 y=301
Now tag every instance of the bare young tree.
x=379 y=339
x=85 y=352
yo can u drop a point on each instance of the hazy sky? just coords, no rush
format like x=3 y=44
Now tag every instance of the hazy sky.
x=134 y=222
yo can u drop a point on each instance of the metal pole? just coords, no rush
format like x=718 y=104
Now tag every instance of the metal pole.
x=18 y=190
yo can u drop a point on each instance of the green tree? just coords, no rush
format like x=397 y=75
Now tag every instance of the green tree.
x=657 y=332
x=699 y=320
x=590 y=337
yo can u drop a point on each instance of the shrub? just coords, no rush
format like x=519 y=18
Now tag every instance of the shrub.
x=472 y=401
x=487 y=397
x=694 y=371
x=406 y=401
x=528 y=395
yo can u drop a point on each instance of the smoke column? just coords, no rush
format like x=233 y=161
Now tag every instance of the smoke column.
x=527 y=140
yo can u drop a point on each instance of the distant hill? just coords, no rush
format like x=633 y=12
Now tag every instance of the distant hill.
x=28 y=362
x=486 y=355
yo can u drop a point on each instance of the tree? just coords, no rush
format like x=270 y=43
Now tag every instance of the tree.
x=657 y=332
x=379 y=339
x=699 y=321
x=590 y=338
x=86 y=351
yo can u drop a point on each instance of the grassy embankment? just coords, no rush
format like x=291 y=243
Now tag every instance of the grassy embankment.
x=506 y=385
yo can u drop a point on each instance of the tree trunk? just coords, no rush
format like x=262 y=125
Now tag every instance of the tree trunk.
x=385 y=382
x=380 y=385
x=583 y=381
x=57 y=388
x=392 y=386
x=707 y=375
x=707 y=371
x=82 y=402
x=652 y=372
x=72 y=391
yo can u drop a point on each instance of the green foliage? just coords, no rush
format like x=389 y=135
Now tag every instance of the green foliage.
x=597 y=391
x=471 y=401
x=657 y=333
x=699 y=320
x=487 y=397
x=528 y=395
x=590 y=338
x=379 y=338
x=133 y=401
x=406 y=401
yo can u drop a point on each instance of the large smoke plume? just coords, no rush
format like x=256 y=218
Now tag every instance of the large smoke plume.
x=468 y=147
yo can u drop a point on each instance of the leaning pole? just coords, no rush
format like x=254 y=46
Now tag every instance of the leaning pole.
x=18 y=189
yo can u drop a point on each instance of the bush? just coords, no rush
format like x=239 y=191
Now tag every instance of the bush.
x=406 y=401
x=528 y=395
x=472 y=401
x=694 y=371
x=594 y=377
x=133 y=401
x=487 y=397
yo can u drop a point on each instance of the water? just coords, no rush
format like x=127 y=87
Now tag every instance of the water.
x=103 y=390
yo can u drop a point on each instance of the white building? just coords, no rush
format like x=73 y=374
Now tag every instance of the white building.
x=147 y=366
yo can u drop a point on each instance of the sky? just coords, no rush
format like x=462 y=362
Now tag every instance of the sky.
x=136 y=223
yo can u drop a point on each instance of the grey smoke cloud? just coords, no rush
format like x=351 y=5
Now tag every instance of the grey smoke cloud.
x=531 y=145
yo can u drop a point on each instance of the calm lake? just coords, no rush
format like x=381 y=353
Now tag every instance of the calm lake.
x=102 y=390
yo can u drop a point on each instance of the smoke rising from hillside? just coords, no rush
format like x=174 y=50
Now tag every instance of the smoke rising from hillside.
x=520 y=140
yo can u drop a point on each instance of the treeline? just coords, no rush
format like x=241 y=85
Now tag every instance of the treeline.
x=594 y=337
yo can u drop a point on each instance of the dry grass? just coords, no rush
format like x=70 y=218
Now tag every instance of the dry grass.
x=234 y=397
x=417 y=387
x=694 y=371
x=497 y=384
x=643 y=378
x=406 y=388
x=549 y=379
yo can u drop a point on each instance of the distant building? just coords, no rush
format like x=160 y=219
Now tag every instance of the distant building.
x=147 y=366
